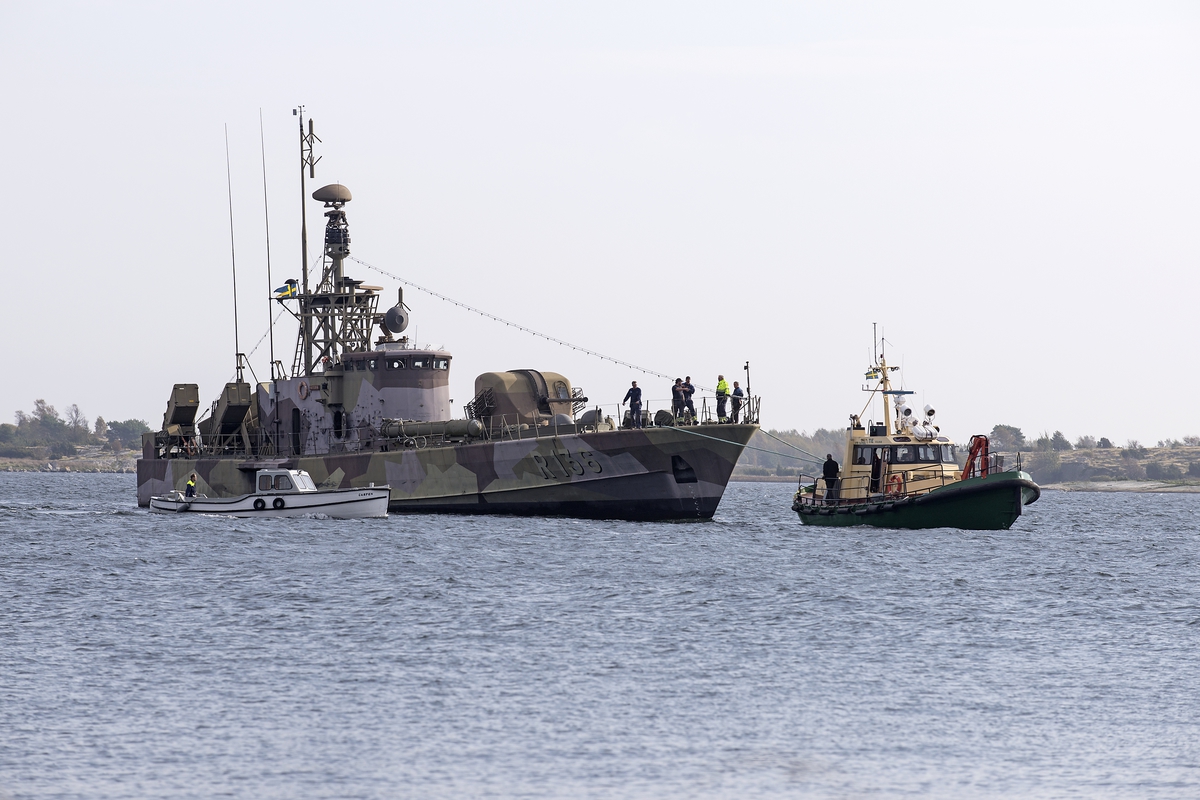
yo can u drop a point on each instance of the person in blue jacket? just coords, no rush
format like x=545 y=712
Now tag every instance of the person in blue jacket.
x=736 y=397
x=634 y=398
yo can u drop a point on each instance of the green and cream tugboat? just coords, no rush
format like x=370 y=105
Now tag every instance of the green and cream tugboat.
x=904 y=474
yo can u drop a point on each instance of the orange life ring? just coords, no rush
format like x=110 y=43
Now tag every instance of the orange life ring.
x=302 y=390
x=895 y=485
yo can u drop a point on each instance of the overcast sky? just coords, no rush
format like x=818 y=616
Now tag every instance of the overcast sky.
x=1012 y=194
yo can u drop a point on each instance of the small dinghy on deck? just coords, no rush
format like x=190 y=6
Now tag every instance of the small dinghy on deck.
x=283 y=493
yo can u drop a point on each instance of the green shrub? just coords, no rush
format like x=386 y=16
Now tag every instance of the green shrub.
x=1163 y=472
x=60 y=449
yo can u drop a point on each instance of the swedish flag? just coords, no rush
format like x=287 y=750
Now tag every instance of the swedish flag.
x=287 y=290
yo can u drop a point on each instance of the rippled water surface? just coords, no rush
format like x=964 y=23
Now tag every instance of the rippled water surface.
x=423 y=656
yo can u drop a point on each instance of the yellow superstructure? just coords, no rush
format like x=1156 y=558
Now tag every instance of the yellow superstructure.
x=903 y=457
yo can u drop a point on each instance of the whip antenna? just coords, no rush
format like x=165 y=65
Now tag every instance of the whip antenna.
x=237 y=348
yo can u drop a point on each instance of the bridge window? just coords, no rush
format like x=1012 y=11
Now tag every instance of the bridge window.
x=420 y=363
x=948 y=454
x=929 y=452
x=441 y=363
x=865 y=455
x=373 y=364
x=395 y=363
x=903 y=454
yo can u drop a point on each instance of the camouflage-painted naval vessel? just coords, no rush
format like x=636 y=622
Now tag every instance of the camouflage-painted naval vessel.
x=352 y=412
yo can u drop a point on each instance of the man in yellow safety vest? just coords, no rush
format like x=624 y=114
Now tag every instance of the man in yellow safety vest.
x=722 y=396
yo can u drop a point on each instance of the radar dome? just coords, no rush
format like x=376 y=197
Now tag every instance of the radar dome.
x=396 y=319
x=333 y=193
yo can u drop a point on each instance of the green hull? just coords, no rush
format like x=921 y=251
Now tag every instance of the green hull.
x=978 y=504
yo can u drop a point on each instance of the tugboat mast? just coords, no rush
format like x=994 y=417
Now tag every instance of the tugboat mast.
x=880 y=369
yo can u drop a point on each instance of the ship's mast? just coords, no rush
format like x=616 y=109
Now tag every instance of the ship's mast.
x=306 y=160
x=336 y=313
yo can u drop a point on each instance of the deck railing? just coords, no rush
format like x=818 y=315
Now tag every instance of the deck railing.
x=314 y=441
x=895 y=485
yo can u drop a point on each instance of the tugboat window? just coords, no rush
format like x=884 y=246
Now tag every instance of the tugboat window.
x=441 y=363
x=282 y=484
x=948 y=454
x=903 y=455
x=928 y=452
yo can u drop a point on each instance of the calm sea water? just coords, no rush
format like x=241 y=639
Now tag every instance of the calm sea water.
x=144 y=656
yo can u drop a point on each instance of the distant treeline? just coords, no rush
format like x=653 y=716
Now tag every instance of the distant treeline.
x=1010 y=439
x=1050 y=457
x=42 y=433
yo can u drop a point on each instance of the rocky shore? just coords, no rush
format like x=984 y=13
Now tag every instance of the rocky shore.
x=91 y=458
x=1125 y=486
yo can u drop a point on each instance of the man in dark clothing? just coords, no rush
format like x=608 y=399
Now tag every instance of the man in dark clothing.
x=190 y=490
x=737 y=396
x=830 y=473
x=689 y=390
x=634 y=398
x=678 y=398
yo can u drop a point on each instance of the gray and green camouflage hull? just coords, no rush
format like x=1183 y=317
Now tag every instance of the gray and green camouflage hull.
x=648 y=474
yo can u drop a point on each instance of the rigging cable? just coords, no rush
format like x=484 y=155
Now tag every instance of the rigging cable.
x=547 y=337
x=818 y=459
x=260 y=341
x=750 y=447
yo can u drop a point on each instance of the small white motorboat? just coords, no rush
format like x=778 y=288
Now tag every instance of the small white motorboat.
x=283 y=493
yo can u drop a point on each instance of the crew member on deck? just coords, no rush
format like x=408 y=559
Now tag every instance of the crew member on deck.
x=722 y=397
x=634 y=398
x=678 y=398
x=689 y=390
x=738 y=394
x=190 y=491
x=829 y=471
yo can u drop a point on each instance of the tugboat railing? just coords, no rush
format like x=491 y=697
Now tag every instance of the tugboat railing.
x=812 y=489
